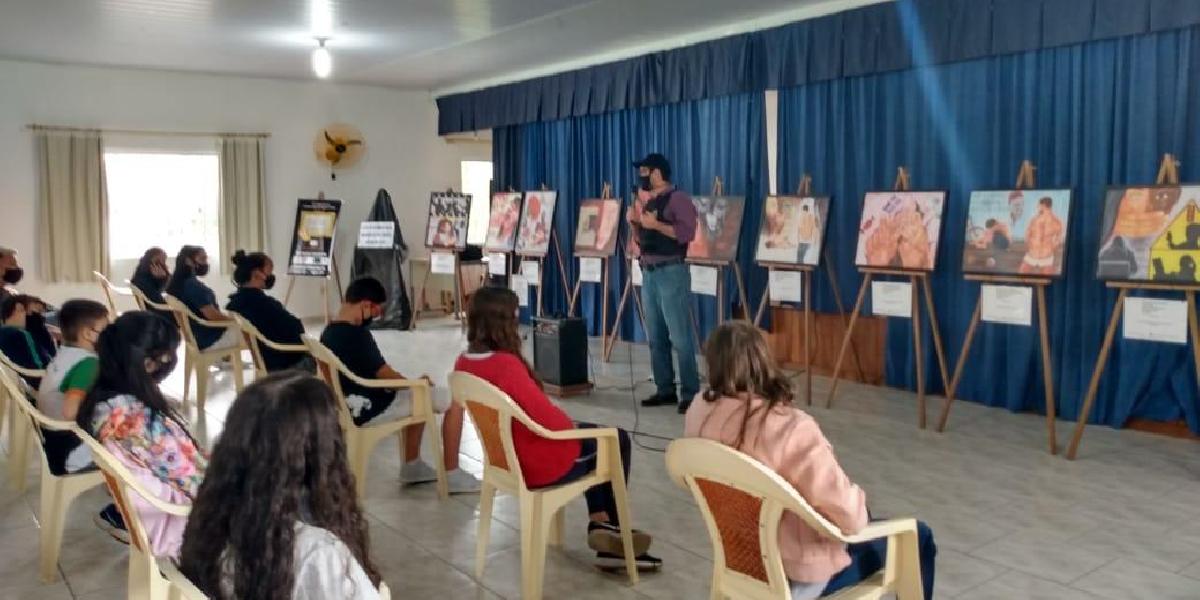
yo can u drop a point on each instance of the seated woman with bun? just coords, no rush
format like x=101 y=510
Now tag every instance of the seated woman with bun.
x=254 y=273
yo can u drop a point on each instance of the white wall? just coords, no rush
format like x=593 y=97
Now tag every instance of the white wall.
x=404 y=154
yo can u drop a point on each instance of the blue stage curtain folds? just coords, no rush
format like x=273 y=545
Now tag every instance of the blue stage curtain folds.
x=704 y=139
x=1087 y=115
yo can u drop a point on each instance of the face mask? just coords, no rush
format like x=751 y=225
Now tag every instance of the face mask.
x=201 y=270
x=270 y=282
x=164 y=370
x=12 y=275
x=644 y=182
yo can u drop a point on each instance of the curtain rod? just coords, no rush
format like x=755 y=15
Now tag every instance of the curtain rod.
x=36 y=127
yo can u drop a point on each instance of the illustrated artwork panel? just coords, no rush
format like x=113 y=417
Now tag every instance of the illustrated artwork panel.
x=537 y=220
x=792 y=230
x=596 y=232
x=1016 y=232
x=718 y=226
x=446 y=228
x=900 y=230
x=1150 y=233
x=503 y=216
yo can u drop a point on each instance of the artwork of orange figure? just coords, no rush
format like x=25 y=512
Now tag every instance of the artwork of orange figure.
x=1043 y=239
x=900 y=230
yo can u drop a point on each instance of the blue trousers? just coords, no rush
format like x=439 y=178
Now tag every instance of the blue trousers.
x=868 y=557
x=666 y=298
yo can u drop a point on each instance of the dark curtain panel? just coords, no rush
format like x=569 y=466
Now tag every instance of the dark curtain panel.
x=1087 y=115
x=704 y=139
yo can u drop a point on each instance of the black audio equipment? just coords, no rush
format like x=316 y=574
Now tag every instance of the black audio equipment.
x=560 y=351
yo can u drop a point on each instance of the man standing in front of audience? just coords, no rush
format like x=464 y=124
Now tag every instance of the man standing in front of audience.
x=664 y=227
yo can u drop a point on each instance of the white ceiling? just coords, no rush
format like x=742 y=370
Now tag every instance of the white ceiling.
x=437 y=45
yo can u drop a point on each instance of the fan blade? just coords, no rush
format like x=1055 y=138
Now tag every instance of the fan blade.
x=354 y=143
x=327 y=138
x=332 y=155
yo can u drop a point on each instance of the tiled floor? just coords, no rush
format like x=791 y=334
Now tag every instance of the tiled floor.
x=1011 y=521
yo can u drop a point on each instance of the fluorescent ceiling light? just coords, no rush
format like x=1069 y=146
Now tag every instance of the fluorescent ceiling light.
x=322 y=18
x=322 y=60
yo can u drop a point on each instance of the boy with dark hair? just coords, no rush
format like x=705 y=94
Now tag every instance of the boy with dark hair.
x=16 y=341
x=69 y=377
x=349 y=338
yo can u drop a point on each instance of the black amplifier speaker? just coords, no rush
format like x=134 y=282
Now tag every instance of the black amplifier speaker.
x=560 y=351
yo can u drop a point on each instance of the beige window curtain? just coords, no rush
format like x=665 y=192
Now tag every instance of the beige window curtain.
x=243 y=194
x=73 y=206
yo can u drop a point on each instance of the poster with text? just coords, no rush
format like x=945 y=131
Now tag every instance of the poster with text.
x=792 y=230
x=596 y=232
x=718 y=226
x=537 y=220
x=446 y=228
x=1150 y=233
x=312 y=237
x=900 y=230
x=503 y=217
x=1016 y=232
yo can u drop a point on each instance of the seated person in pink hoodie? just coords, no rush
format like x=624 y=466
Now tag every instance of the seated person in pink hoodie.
x=748 y=405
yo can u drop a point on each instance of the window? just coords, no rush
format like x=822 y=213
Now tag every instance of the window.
x=164 y=199
x=477 y=181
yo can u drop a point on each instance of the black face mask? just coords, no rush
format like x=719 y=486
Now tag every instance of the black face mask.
x=269 y=283
x=164 y=370
x=13 y=275
x=201 y=270
x=644 y=182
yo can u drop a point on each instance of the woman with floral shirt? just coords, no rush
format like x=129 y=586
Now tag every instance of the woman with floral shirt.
x=126 y=412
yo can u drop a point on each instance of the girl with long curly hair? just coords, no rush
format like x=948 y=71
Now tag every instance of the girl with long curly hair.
x=277 y=516
x=748 y=405
x=494 y=354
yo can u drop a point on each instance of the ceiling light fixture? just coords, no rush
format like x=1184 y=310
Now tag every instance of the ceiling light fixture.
x=322 y=60
x=322 y=18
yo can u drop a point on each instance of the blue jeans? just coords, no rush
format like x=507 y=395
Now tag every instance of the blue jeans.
x=868 y=557
x=666 y=298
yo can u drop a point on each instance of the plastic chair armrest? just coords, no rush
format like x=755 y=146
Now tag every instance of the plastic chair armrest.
x=124 y=291
x=883 y=529
x=282 y=347
x=583 y=434
x=392 y=384
x=215 y=324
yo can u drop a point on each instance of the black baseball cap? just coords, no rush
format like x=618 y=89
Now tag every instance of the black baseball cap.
x=655 y=161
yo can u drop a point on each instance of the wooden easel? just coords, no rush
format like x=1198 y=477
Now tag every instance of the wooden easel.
x=541 y=258
x=718 y=189
x=605 y=194
x=1025 y=180
x=333 y=271
x=637 y=302
x=1168 y=174
x=457 y=275
x=901 y=185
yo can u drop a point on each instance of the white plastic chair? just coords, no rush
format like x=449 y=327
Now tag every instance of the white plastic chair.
x=361 y=440
x=493 y=414
x=198 y=361
x=18 y=434
x=742 y=502
x=254 y=338
x=109 y=291
x=146 y=580
x=145 y=303
x=57 y=491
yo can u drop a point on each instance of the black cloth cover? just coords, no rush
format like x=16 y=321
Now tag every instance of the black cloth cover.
x=386 y=265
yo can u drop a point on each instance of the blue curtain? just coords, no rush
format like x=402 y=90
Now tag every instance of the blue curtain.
x=1088 y=116
x=721 y=137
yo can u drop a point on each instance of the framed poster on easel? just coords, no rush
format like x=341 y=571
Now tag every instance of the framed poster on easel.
x=1150 y=242
x=445 y=237
x=1015 y=246
x=714 y=249
x=898 y=236
x=312 y=249
x=535 y=234
x=595 y=244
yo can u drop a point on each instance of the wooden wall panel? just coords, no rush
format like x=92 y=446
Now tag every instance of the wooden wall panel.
x=870 y=334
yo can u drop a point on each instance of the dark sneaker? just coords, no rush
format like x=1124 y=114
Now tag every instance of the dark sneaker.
x=684 y=406
x=612 y=563
x=661 y=400
x=606 y=539
x=109 y=521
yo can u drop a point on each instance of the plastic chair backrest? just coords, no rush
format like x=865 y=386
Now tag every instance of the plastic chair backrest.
x=122 y=485
x=255 y=340
x=106 y=286
x=742 y=501
x=493 y=413
x=19 y=370
x=14 y=389
x=328 y=367
x=183 y=318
